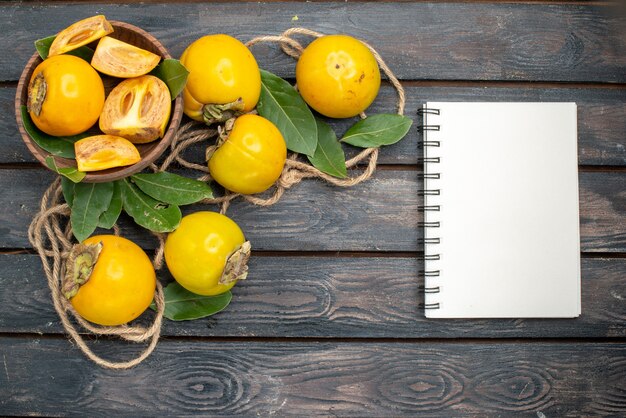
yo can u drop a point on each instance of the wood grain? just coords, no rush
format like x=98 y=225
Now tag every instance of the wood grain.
x=313 y=216
x=421 y=41
x=322 y=297
x=48 y=376
x=601 y=120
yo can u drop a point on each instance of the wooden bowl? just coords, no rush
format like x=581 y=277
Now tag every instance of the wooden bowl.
x=149 y=152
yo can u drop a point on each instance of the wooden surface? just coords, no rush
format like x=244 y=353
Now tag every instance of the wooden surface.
x=328 y=322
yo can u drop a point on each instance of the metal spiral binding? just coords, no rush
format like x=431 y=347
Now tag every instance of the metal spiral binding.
x=422 y=128
x=425 y=110
x=429 y=208
x=424 y=160
x=423 y=144
x=433 y=192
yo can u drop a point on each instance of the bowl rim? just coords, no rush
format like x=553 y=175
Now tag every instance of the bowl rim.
x=115 y=173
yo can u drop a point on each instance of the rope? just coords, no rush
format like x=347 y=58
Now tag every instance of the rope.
x=50 y=232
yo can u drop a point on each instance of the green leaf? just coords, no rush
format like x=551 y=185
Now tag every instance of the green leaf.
x=283 y=105
x=182 y=305
x=329 y=156
x=61 y=146
x=148 y=212
x=377 y=130
x=90 y=200
x=71 y=173
x=109 y=216
x=173 y=73
x=43 y=46
x=67 y=187
x=173 y=189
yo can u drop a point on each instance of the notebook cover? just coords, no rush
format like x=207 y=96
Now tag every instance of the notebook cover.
x=509 y=241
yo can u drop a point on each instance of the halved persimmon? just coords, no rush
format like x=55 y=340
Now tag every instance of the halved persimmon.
x=100 y=152
x=119 y=59
x=79 y=34
x=137 y=109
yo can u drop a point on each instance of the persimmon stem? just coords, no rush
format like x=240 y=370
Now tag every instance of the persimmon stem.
x=237 y=264
x=79 y=266
x=217 y=113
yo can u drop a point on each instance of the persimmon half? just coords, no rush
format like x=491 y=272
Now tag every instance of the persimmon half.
x=100 y=152
x=137 y=109
x=120 y=59
x=79 y=34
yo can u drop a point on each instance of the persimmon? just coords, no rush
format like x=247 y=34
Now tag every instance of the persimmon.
x=65 y=96
x=207 y=253
x=109 y=280
x=251 y=159
x=338 y=76
x=224 y=79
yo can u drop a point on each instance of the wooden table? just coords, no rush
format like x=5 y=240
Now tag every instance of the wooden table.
x=328 y=322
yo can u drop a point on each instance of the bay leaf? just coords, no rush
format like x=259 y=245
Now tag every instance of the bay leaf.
x=148 y=212
x=109 y=216
x=282 y=105
x=61 y=146
x=43 y=47
x=90 y=200
x=67 y=187
x=377 y=130
x=329 y=156
x=71 y=173
x=182 y=305
x=171 y=188
x=172 y=73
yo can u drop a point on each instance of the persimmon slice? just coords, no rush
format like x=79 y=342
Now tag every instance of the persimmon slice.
x=119 y=59
x=137 y=109
x=100 y=152
x=79 y=34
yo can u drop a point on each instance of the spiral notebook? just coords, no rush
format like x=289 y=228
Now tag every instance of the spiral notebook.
x=501 y=226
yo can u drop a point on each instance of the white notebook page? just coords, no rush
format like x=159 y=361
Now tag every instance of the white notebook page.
x=509 y=227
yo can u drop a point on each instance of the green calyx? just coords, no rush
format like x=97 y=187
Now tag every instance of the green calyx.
x=237 y=264
x=79 y=266
x=218 y=113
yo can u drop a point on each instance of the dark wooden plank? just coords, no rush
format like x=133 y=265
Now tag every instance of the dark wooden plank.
x=313 y=216
x=449 y=41
x=601 y=119
x=602 y=211
x=332 y=297
x=48 y=376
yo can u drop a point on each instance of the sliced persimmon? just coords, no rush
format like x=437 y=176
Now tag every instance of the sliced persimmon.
x=100 y=152
x=119 y=59
x=79 y=34
x=137 y=109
